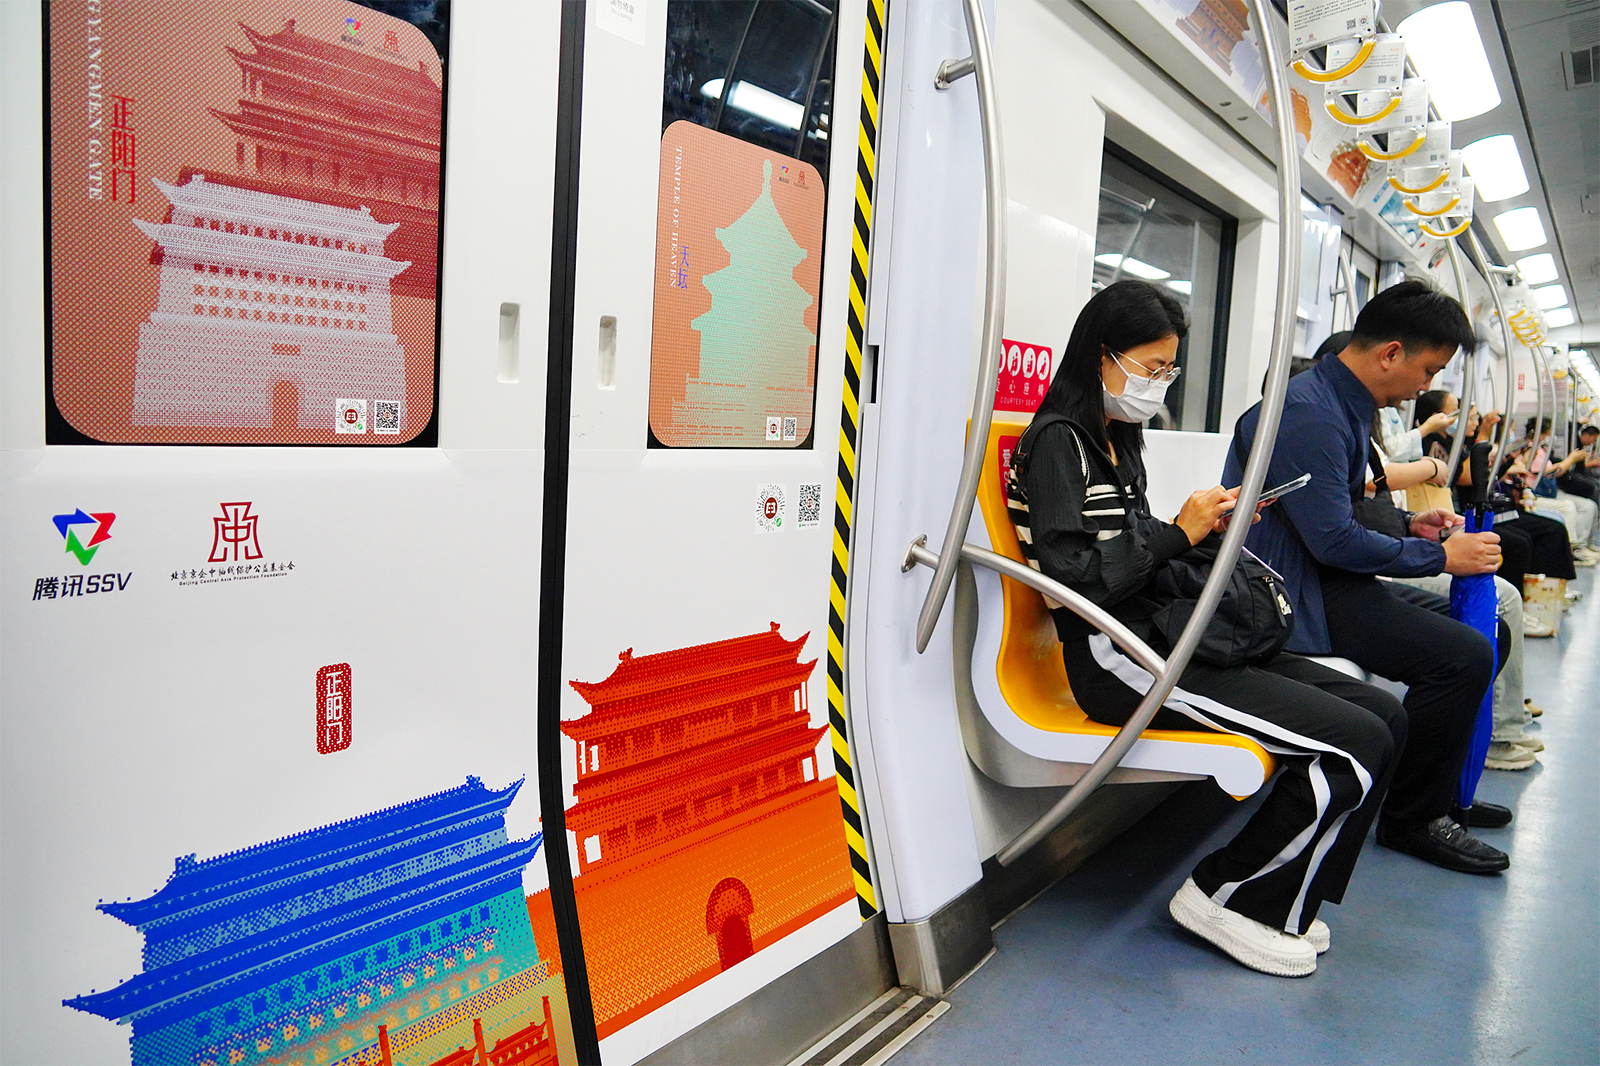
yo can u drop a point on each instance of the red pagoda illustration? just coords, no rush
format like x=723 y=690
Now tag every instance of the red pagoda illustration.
x=705 y=828
x=281 y=274
x=328 y=123
x=258 y=289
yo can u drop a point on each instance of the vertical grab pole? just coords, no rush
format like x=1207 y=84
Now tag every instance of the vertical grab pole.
x=1255 y=470
x=981 y=64
x=1505 y=335
x=1469 y=367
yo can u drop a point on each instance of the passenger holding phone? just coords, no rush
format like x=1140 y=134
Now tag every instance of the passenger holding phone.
x=1403 y=337
x=1076 y=494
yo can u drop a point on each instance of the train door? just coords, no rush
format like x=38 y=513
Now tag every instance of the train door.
x=271 y=463
x=712 y=829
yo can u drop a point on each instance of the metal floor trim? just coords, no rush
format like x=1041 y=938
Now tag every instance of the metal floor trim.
x=877 y=1032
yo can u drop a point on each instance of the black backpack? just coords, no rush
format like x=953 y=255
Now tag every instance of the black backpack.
x=1253 y=620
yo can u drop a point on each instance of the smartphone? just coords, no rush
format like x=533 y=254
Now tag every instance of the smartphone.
x=1272 y=494
x=1269 y=495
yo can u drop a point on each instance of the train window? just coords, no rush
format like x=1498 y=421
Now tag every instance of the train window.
x=746 y=116
x=1152 y=229
x=232 y=168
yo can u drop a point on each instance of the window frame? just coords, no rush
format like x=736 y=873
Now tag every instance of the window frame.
x=1228 y=242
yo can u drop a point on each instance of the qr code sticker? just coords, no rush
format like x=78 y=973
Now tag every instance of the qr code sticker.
x=386 y=416
x=769 y=508
x=791 y=426
x=809 y=514
x=349 y=416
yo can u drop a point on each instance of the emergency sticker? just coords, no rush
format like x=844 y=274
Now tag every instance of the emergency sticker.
x=350 y=416
x=770 y=510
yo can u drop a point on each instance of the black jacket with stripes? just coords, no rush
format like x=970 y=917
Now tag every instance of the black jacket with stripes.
x=1084 y=522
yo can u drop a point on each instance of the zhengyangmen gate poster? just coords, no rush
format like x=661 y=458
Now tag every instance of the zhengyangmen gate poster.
x=243 y=223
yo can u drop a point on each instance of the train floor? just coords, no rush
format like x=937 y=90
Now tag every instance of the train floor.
x=1426 y=966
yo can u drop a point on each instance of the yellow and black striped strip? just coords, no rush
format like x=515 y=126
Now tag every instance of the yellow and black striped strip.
x=844 y=492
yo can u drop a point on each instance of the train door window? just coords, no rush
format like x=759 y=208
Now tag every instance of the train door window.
x=1152 y=229
x=746 y=116
x=188 y=178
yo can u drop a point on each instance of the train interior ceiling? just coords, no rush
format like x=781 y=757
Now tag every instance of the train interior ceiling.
x=508 y=552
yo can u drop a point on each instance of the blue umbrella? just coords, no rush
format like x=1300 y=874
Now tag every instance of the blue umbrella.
x=1474 y=601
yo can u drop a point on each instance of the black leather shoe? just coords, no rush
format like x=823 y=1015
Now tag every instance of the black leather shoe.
x=1444 y=843
x=1483 y=815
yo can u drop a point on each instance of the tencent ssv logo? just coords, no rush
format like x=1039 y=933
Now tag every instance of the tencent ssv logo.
x=101 y=531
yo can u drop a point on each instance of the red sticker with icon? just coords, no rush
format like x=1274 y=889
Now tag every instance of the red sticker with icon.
x=1024 y=376
x=333 y=708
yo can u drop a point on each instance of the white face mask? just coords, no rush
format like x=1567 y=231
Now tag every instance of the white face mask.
x=1141 y=397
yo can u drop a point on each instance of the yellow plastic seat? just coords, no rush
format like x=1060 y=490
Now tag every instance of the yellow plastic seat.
x=1032 y=679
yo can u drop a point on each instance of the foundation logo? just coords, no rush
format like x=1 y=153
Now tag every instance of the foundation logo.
x=84 y=547
x=233 y=533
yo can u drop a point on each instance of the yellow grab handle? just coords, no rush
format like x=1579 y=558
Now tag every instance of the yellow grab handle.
x=1445 y=210
x=1458 y=231
x=1360 y=60
x=1338 y=114
x=1444 y=175
x=1389 y=157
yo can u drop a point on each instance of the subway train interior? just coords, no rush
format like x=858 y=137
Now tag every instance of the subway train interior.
x=563 y=423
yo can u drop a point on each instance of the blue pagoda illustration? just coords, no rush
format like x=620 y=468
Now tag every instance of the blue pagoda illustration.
x=394 y=937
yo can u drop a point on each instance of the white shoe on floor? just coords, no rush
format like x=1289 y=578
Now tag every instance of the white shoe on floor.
x=1246 y=940
x=1503 y=756
x=1529 y=743
x=1319 y=936
x=1533 y=627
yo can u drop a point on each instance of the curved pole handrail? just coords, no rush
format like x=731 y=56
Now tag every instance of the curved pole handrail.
x=1541 y=369
x=981 y=64
x=1506 y=436
x=918 y=554
x=1469 y=369
x=1255 y=470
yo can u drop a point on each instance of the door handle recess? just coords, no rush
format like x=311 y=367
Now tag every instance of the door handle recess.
x=510 y=326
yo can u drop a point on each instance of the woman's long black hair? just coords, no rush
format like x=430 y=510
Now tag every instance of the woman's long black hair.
x=1118 y=317
x=1429 y=404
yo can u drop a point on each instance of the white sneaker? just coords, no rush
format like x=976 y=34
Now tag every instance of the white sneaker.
x=1504 y=756
x=1531 y=743
x=1248 y=941
x=1319 y=936
x=1532 y=626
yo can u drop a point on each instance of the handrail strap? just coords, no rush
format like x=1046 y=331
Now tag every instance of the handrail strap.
x=994 y=302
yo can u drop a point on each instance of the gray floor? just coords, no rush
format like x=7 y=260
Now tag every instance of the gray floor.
x=1427 y=966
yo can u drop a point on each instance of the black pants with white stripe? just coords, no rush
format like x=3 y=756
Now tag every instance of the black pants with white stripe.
x=1335 y=737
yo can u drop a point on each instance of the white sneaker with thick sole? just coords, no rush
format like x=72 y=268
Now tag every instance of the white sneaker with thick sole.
x=1319 y=936
x=1246 y=940
x=1535 y=627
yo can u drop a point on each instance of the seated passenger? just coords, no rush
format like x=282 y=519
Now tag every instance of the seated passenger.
x=1402 y=338
x=1583 y=476
x=1077 y=496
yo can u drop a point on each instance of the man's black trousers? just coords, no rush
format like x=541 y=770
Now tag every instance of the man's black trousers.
x=1446 y=667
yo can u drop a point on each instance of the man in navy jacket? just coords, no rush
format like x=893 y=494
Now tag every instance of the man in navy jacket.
x=1402 y=338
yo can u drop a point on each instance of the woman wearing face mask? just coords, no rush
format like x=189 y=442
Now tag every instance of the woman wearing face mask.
x=1076 y=492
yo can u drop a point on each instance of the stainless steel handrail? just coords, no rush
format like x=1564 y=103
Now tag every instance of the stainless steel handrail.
x=1506 y=434
x=918 y=554
x=1469 y=368
x=1255 y=470
x=1541 y=370
x=1347 y=290
x=980 y=64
